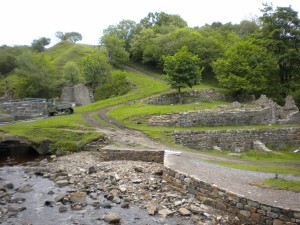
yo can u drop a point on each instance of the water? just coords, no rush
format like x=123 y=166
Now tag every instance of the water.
x=12 y=170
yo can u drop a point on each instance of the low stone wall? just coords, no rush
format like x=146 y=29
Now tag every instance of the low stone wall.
x=79 y=94
x=233 y=117
x=132 y=155
x=186 y=97
x=238 y=140
x=247 y=210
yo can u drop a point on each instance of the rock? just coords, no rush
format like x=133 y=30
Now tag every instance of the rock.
x=165 y=212
x=78 y=197
x=60 y=197
x=152 y=207
x=62 y=209
x=9 y=186
x=15 y=208
x=138 y=169
x=184 y=212
x=125 y=205
x=106 y=205
x=137 y=181
x=91 y=170
x=49 y=203
x=96 y=204
x=112 y=218
x=196 y=209
x=25 y=188
x=62 y=183
x=18 y=200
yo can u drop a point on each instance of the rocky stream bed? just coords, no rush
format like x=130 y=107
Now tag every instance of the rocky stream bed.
x=80 y=189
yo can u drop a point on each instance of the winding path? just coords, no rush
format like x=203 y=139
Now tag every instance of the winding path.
x=194 y=163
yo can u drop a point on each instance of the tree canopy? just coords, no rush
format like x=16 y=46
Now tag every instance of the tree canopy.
x=182 y=69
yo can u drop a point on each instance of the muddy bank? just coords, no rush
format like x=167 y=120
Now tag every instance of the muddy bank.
x=79 y=189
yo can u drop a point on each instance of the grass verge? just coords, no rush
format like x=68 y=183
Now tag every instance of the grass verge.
x=281 y=184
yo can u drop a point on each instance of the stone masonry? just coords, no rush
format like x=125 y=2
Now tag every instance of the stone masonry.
x=247 y=210
x=266 y=112
x=79 y=94
x=238 y=140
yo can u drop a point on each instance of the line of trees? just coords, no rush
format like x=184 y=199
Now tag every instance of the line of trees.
x=256 y=56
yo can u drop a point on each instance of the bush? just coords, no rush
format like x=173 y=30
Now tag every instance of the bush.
x=116 y=85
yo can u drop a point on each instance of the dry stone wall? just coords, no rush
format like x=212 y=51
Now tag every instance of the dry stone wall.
x=133 y=155
x=232 y=117
x=238 y=140
x=248 y=211
x=185 y=97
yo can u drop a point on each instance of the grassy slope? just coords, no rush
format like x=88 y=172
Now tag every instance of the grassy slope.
x=73 y=131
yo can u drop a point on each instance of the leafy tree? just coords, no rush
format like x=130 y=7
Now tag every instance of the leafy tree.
x=96 y=69
x=281 y=34
x=115 y=48
x=182 y=69
x=123 y=30
x=39 y=44
x=8 y=57
x=71 y=74
x=116 y=85
x=37 y=75
x=246 y=68
x=68 y=36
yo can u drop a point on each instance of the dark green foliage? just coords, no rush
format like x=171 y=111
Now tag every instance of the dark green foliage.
x=246 y=69
x=69 y=36
x=281 y=35
x=116 y=85
x=37 y=76
x=182 y=69
x=116 y=48
x=96 y=69
x=39 y=44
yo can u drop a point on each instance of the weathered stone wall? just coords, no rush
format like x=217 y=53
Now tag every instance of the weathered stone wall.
x=185 y=97
x=267 y=112
x=238 y=140
x=249 y=211
x=133 y=155
x=233 y=117
x=79 y=94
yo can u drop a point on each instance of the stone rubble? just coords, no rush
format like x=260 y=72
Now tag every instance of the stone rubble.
x=124 y=183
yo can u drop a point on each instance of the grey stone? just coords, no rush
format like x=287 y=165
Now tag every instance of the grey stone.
x=112 y=218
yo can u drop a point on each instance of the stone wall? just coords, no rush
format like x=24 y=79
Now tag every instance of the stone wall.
x=238 y=140
x=79 y=94
x=186 y=97
x=247 y=210
x=266 y=112
x=132 y=155
x=231 y=117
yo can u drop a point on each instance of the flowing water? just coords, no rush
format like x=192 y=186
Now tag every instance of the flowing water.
x=12 y=170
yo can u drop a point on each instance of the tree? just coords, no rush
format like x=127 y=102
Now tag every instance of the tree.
x=116 y=48
x=68 y=36
x=39 y=44
x=182 y=69
x=71 y=74
x=281 y=34
x=123 y=30
x=37 y=76
x=246 y=69
x=96 y=69
x=116 y=85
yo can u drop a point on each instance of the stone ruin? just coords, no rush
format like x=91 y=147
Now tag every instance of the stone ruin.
x=266 y=112
x=78 y=94
x=186 y=97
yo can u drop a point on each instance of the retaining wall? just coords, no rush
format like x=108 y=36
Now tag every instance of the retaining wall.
x=240 y=140
x=133 y=155
x=248 y=211
x=235 y=117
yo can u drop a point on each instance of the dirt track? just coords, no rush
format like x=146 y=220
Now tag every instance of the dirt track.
x=195 y=163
